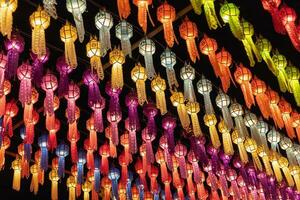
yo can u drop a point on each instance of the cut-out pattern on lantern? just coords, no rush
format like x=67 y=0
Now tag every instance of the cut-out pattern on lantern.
x=6 y=19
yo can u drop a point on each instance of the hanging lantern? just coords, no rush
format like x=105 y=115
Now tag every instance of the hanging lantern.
x=104 y=153
x=6 y=91
x=24 y=162
x=259 y=88
x=93 y=141
x=158 y=85
x=205 y=87
x=123 y=8
x=139 y=76
x=68 y=34
x=72 y=95
x=262 y=128
x=39 y=20
x=239 y=141
x=212 y=181
x=132 y=123
x=11 y=110
x=208 y=46
x=243 y=77
x=230 y=14
x=187 y=73
x=264 y=46
x=6 y=19
x=276 y=168
x=54 y=178
x=251 y=147
x=93 y=51
x=89 y=185
x=159 y=156
x=167 y=141
x=177 y=100
x=89 y=154
x=5 y=143
x=263 y=153
x=193 y=108
x=190 y=184
x=124 y=167
x=237 y=112
x=248 y=43
x=114 y=175
x=273 y=8
x=280 y=64
x=143 y=166
x=295 y=172
x=117 y=59
x=147 y=49
x=188 y=31
x=80 y=166
x=223 y=101
x=49 y=6
x=43 y=144
x=16 y=166
x=73 y=136
x=106 y=183
x=3 y=65
x=143 y=10
x=274 y=108
x=62 y=151
x=180 y=153
x=52 y=142
x=284 y=165
x=64 y=70
x=168 y=60
x=14 y=46
x=293 y=76
x=226 y=138
x=71 y=184
x=232 y=177
x=38 y=66
x=104 y=22
x=122 y=191
x=124 y=32
x=197 y=4
x=274 y=138
x=286 y=144
x=24 y=73
x=288 y=19
x=34 y=185
x=166 y=14
x=224 y=60
x=296 y=123
x=192 y=158
x=77 y=7
x=86 y=188
x=210 y=120
x=96 y=174
x=286 y=109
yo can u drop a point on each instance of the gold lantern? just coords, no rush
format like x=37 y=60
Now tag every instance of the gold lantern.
x=54 y=178
x=39 y=21
x=295 y=172
x=238 y=139
x=7 y=7
x=68 y=34
x=34 y=185
x=71 y=184
x=158 y=85
x=17 y=167
x=273 y=157
x=226 y=138
x=139 y=76
x=117 y=59
x=263 y=153
x=94 y=53
x=284 y=163
x=210 y=120
x=193 y=108
x=251 y=147
x=177 y=100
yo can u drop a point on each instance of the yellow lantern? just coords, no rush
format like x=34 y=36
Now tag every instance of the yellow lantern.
x=54 y=178
x=239 y=141
x=86 y=188
x=94 y=53
x=262 y=152
x=293 y=75
x=117 y=59
x=139 y=76
x=251 y=147
x=280 y=64
x=34 y=185
x=295 y=171
x=71 y=184
x=39 y=21
x=264 y=46
x=177 y=100
x=210 y=120
x=284 y=163
x=158 y=85
x=226 y=138
x=197 y=4
x=273 y=157
x=68 y=34
x=7 y=7
x=193 y=108
x=16 y=165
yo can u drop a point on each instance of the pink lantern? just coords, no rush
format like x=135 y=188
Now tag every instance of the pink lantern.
x=167 y=156
x=89 y=154
x=37 y=66
x=180 y=153
x=24 y=73
x=72 y=95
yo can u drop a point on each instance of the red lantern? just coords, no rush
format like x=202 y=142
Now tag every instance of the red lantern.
x=224 y=60
x=104 y=153
x=123 y=164
x=73 y=136
x=125 y=143
x=93 y=134
x=11 y=110
x=112 y=148
x=90 y=154
x=286 y=110
x=163 y=167
x=106 y=184
x=275 y=111
x=52 y=141
x=296 y=123
x=180 y=153
x=141 y=172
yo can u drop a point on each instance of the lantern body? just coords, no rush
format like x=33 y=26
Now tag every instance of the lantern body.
x=124 y=32
x=68 y=34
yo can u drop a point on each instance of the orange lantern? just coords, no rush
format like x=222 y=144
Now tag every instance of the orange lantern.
x=224 y=60
x=125 y=143
x=93 y=134
x=286 y=110
x=104 y=153
x=112 y=147
x=166 y=14
x=5 y=144
x=274 y=109
x=142 y=13
x=123 y=8
x=106 y=183
x=159 y=156
x=141 y=172
x=188 y=31
x=24 y=161
x=296 y=123
x=11 y=110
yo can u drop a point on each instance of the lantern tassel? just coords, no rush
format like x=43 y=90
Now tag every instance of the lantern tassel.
x=243 y=153
x=183 y=116
x=70 y=53
x=126 y=47
x=28 y=108
x=29 y=135
x=61 y=166
x=288 y=125
x=44 y=158
x=117 y=76
x=262 y=100
x=295 y=88
x=96 y=64
x=248 y=50
x=192 y=49
x=54 y=192
x=196 y=4
x=267 y=58
x=236 y=28
x=72 y=194
x=79 y=25
x=149 y=66
x=161 y=102
x=288 y=176
x=169 y=33
x=38 y=41
x=2 y=105
x=17 y=180
x=196 y=126
x=12 y=63
x=141 y=91
x=182 y=167
x=6 y=21
x=98 y=119
x=104 y=37
x=210 y=14
x=90 y=159
x=52 y=140
x=93 y=140
x=34 y=185
x=247 y=92
x=50 y=121
x=215 y=140
x=123 y=8
x=282 y=80
x=227 y=143
x=74 y=152
x=171 y=77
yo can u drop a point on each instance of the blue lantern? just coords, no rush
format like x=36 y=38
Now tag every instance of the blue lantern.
x=97 y=177
x=114 y=175
x=62 y=151
x=80 y=164
x=43 y=144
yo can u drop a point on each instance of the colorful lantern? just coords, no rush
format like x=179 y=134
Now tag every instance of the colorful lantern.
x=24 y=161
x=5 y=143
x=16 y=166
x=52 y=141
x=224 y=60
x=143 y=10
x=274 y=108
x=139 y=76
x=73 y=137
x=114 y=175
x=239 y=141
x=295 y=172
x=274 y=138
x=188 y=31
x=210 y=14
x=123 y=8
x=39 y=20
x=11 y=110
x=248 y=43
x=38 y=67
x=80 y=166
x=180 y=153
x=77 y=7
x=158 y=85
x=6 y=19
x=14 y=46
x=243 y=77
x=24 y=73
x=205 y=87
x=190 y=183
x=223 y=101
x=104 y=153
x=286 y=109
x=169 y=125
x=72 y=95
x=208 y=46
x=93 y=51
x=117 y=59
x=43 y=144
x=54 y=178
x=280 y=64
x=6 y=91
x=159 y=156
x=89 y=154
x=166 y=14
x=71 y=184
x=293 y=76
x=62 y=151
x=104 y=22
x=147 y=49
x=168 y=60
x=34 y=185
x=177 y=100
x=49 y=6
x=226 y=138
x=193 y=108
x=276 y=168
x=210 y=120
x=106 y=183
x=68 y=34
x=86 y=188
x=124 y=32
x=296 y=123
x=284 y=165
x=237 y=112
x=273 y=8
x=264 y=46
x=251 y=147
x=265 y=159
x=187 y=73
x=230 y=14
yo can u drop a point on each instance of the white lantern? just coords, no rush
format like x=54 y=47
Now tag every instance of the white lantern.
x=49 y=6
x=237 y=112
x=104 y=22
x=187 y=74
x=205 y=87
x=274 y=138
x=168 y=60
x=223 y=101
x=147 y=49
x=263 y=129
x=124 y=31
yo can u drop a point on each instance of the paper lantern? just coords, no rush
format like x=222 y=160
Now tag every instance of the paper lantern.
x=86 y=188
x=262 y=128
x=296 y=123
x=295 y=171
x=251 y=147
x=71 y=184
x=124 y=167
x=159 y=156
x=180 y=153
x=232 y=178
x=237 y=112
x=243 y=77
x=104 y=152
x=104 y=22
x=276 y=168
x=226 y=138
x=223 y=101
x=223 y=182
x=64 y=70
x=80 y=166
x=143 y=166
x=188 y=31
x=274 y=138
x=93 y=51
x=190 y=184
x=177 y=100
x=164 y=158
x=293 y=75
x=16 y=166
x=43 y=144
x=210 y=120
x=14 y=46
x=24 y=73
x=147 y=49
x=167 y=141
x=224 y=60
x=230 y=14
x=212 y=181
x=96 y=173
x=52 y=141
x=264 y=46
x=153 y=176
x=192 y=158
x=158 y=85
x=124 y=32
x=288 y=19
x=77 y=7
x=39 y=20
x=204 y=87
x=187 y=73
x=248 y=43
x=50 y=8
x=263 y=153
x=37 y=67
x=239 y=141
x=34 y=185
x=6 y=91
x=143 y=10
x=11 y=110
x=166 y=14
x=208 y=46
x=274 y=108
x=89 y=154
x=286 y=109
x=112 y=147
x=286 y=144
x=284 y=163
x=6 y=19
x=68 y=34
x=141 y=181
x=5 y=143
x=280 y=64
x=24 y=162
x=106 y=183
x=72 y=95
x=168 y=60
x=193 y=108
x=123 y=8
x=273 y=8
x=54 y=178
x=122 y=191
x=117 y=59
x=139 y=76
x=62 y=151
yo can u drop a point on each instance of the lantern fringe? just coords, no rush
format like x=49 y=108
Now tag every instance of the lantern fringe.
x=38 y=41
x=79 y=25
x=96 y=65
x=117 y=76
x=2 y=105
x=17 y=179
x=6 y=21
x=196 y=126
x=243 y=153
x=141 y=91
x=72 y=195
x=192 y=49
x=210 y=14
x=282 y=80
x=197 y=4
x=267 y=58
x=126 y=47
x=49 y=6
x=123 y=9
x=34 y=185
x=70 y=54
x=236 y=28
x=262 y=100
x=54 y=190
x=172 y=80
x=161 y=102
x=169 y=34
x=183 y=116
x=227 y=143
x=288 y=176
